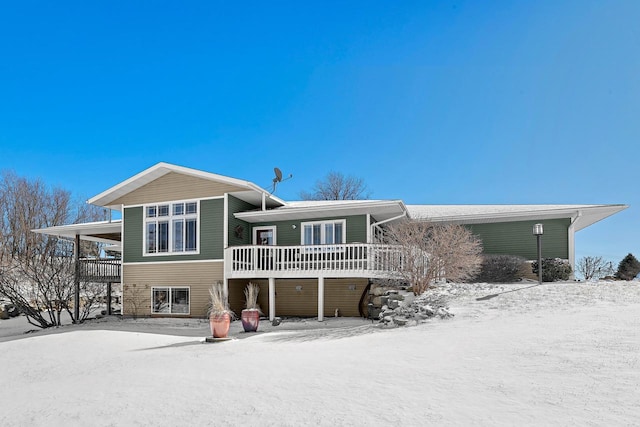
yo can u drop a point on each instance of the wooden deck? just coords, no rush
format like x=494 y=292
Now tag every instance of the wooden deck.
x=100 y=270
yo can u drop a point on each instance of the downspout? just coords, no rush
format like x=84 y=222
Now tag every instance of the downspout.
x=572 y=244
x=122 y=260
x=377 y=224
x=225 y=245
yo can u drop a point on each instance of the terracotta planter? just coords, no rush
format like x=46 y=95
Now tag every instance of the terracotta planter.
x=250 y=320
x=220 y=325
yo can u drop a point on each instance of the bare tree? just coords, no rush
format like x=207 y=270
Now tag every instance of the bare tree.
x=37 y=271
x=336 y=186
x=429 y=252
x=138 y=297
x=592 y=267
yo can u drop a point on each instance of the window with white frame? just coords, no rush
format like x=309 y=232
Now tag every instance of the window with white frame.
x=171 y=228
x=323 y=232
x=170 y=300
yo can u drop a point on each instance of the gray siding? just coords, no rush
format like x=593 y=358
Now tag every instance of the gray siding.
x=516 y=238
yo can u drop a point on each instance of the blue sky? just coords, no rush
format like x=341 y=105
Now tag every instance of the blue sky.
x=433 y=102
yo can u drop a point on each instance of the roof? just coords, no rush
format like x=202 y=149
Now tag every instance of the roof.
x=101 y=231
x=584 y=215
x=252 y=193
x=381 y=210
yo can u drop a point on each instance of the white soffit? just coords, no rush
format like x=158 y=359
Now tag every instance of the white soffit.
x=93 y=231
x=307 y=210
x=584 y=215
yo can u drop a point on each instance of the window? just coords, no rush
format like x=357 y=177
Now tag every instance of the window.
x=323 y=233
x=170 y=300
x=171 y=228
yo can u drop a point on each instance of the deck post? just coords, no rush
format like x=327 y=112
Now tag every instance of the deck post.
x=272 y=298
x=109 y=299
x=320 y=299
x=76 y=280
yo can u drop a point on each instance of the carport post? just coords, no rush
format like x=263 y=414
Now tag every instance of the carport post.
x=76 y=299
x=109 y=299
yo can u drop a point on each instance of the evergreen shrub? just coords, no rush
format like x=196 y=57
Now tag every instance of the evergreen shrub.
x=500 y=268
x=553 y=269
x=628 y=268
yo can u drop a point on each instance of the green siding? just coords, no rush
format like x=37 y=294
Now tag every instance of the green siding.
x=288 y=236
x=516 y=238
x=211 y=234
x=133 y=226
x=237 y=205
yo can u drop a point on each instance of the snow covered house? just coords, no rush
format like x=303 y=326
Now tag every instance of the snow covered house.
x=183 y=229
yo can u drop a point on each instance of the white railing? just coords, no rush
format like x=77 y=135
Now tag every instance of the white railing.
x=344 y=260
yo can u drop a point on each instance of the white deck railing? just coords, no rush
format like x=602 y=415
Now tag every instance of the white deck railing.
x=343 y=260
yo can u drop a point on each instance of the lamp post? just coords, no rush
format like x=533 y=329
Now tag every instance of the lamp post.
x=538 y=231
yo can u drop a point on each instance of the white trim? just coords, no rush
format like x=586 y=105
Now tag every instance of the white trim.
x=172 y=262
x=571 y=241
x=273 y=228
x=170 y=288
x=323 y=237
x=161 y=169
x=225 y=221
x=272 y=298
x=225 y=241
x=194 y=199
x=122 y=307
x=485 y=214
x=320 y=298
x=368 y=228
x=170 y=222
x=300 y=211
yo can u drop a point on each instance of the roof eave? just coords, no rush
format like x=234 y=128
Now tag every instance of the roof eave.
x=158 y=170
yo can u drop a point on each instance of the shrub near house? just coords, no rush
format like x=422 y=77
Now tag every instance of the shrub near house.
x=553 y=269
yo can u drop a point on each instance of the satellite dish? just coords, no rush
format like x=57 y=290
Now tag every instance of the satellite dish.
x=278 y=178
x=278 y=173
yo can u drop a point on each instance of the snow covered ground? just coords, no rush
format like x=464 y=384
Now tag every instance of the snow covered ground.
x=556 y=354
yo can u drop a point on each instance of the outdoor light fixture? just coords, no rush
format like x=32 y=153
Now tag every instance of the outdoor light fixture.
x=538 y=231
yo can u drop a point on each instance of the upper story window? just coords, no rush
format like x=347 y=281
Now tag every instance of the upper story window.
x=171 y=228
x=323 y=232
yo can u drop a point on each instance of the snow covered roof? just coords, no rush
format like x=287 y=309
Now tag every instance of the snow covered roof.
x=584 y=215
x=380 y=209
x=253 y=193
x=101 y=231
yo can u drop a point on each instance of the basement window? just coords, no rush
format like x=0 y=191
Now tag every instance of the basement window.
x=170 y=300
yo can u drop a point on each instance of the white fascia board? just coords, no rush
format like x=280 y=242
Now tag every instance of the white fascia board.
x=588 y=214
x=395 y=207
x=86 y=231
x=154 y=172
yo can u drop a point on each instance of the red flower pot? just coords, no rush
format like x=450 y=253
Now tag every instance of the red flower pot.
x=250 y=320
x=220 y=325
